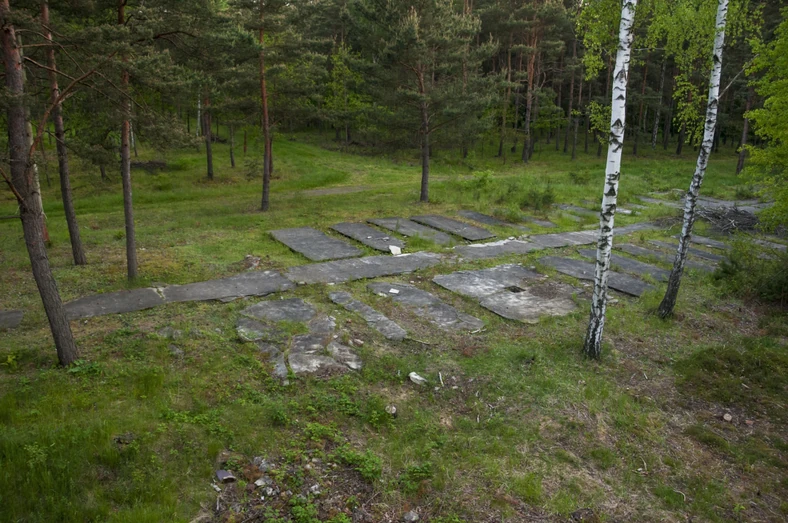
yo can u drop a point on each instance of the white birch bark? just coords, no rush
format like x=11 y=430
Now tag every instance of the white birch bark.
x=669 y=301
x=593 y=342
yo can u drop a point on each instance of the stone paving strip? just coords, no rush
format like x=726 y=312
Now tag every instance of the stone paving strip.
x=10 y=319
x=578 y=210
x=317 y=352
x=629 y=265
x=692 y=251
x=771 y=245
x=315 y=245
x=406 y=227
x=636 y=250
x=541 y=223
x=388 y=328
x=490 y=220
x=585 y=271
x=361 y=268
x=512 y=291
x=256 y=283
x=428 y=306
x=707 y=242
x=480 y=251
x=456 y=227
x=565 y=239
x=369 y=236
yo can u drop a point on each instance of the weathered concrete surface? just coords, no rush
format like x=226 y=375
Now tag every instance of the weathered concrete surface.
x=388 y=328
x=276 y=357
x=407 y=227
x=511 y=291
x=429 y=306
x=293 y=309
x=637 y=250
x=629 y=265
x=771 y=245
x=635 y=227
x=344 y=355
x=252 y=330
x=479 y=251
x=708 y=242
x=360 y=268
x=536 y=221
x=308 y=355
x=10 y=319
x=483 y=282
x=564 y=239
x=458 y=228
x=578 y=210
x=113 y=303
x=656 y=201
x=314 y=244
x=253 y=283
x=585 y=271
x=691 y=251
x=534 y=302
x=490 y=220
x=367 y=235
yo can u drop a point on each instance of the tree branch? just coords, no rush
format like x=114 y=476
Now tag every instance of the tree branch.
x=13 y=189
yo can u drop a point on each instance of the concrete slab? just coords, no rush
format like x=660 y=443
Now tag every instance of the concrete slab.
x=533 y=303
x=428 y=306
x=10 y=319
x=691 y=251
x=635 y=227
x=708 y=242
x=637 y=250
x=360 y=268
x=388 y=328
x=480 y=251
x=253 y=283
x=490 y=220
x=314 y=244
x=344 y=355
x=293 y=309
x=480 y=283
x=367 y=235
x=407 y=227
x=251 y=330
x=458 y=228
x=276 y=357
x=113 y=303
x=585 y=271
x=629 y=265
x=308 y=355
x=536 y=221
x=564 y=239
x=578 y=210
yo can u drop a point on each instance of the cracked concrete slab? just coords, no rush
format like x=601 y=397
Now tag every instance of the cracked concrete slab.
x=428 y=305
x=407 y=227
x=113 y=303
x=636 y=250
x=369 y=236
x=490 y=220
x=314 y=244
x=565 y=239
x=10 y=319
x=691 y=251
x=253 y=283
x=360 y=268
x=456 y=227
x=388 y=328
x=480 y=251
x=629 y=265
x=480 y=283
x=293 y=309
x=585 y=271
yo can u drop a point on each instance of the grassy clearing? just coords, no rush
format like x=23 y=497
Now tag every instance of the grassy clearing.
x=522 y=426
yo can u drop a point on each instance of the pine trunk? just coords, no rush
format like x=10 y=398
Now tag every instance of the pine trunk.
x=77 y=249
x=577 y=118
x=744 y=132
x=505 y=108
x=208 y=137
x=528 y=106
x=232 y=147
x=669 y=301
x=593 y=341
x=640 y=111
x=125 y=168
x=30 y=210
x=571 y=97
x=266 y=125
x=425 y=153
x=658 y=109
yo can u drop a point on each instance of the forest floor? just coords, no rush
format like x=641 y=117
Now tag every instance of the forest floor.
x=681 y=420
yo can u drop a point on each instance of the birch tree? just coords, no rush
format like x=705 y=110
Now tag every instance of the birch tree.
x=593 y=342
x=669 y=301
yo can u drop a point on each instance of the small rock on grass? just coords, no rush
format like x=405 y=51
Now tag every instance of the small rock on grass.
x=410 y=517
x=727 y=417
x=418 y=380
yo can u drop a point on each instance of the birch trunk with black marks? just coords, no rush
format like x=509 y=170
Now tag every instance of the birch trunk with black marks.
x=30 y=211
x=125 y=166
x=669 y=301
x=593 y=341
x=77 y=249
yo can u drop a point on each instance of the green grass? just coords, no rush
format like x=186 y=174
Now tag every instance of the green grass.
x=523 y=426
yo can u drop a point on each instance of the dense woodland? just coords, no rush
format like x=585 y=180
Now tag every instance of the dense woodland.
x=90 y=79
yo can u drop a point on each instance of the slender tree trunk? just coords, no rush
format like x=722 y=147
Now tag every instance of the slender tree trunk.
x=266 y=124
x=125 y=165
x=529 y=95
x=744 y=132
x=658 y=109
x=682 y=135
x=505 y=108
x=425 y=153
x=232 y=147
x=103 y=171
x=669 y=301
x=208 y=136
x=133 y=139
x=517 y=96
x=244 y=142
x=560 y=93
x=593 y=341
x=30 y=211
x=571 y=97
x=577 y=118
x=62 y=153
x=199 y=115
x=640 y=111
x=188 y=123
